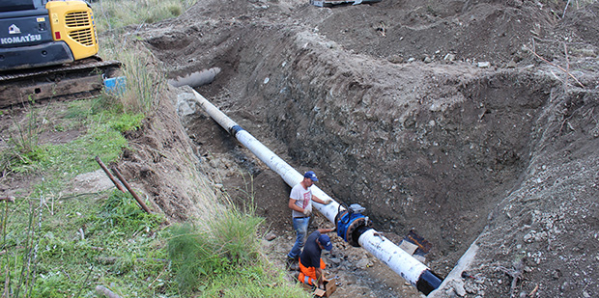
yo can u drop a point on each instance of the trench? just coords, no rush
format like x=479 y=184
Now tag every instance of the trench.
x=430 y=148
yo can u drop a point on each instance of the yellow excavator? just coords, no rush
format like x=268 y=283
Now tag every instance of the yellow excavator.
x=48 y=51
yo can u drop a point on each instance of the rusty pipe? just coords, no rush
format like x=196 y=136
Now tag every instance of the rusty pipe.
x=114 y=181
x=137 y=198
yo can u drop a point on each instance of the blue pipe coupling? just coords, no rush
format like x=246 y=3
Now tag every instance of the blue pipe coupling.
x=351 y=223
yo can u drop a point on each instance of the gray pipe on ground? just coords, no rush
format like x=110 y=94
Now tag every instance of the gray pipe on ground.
x=196 y=79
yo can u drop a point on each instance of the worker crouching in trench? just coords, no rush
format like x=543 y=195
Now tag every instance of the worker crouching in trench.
x=311 y=264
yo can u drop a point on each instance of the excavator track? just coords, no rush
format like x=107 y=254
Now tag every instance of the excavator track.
x=77 y=80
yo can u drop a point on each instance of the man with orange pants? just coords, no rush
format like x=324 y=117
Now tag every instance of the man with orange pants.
x=310 y=263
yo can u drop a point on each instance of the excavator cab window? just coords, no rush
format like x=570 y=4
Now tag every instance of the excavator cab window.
x=15 y=5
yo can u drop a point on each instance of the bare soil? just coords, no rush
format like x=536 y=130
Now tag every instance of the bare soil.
x=395 y=107
x=435 y=115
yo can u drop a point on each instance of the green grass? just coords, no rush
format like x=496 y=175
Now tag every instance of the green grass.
x=122 y=248
x=113 y=14
x=132 y=253
x=103 y=138
x=223 y=259
x=259 y=280
x=46 y=255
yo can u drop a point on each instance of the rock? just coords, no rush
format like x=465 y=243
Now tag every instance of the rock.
x=458 y=287
x=213 y=163
x=471 y=287
x=270 y=236
x=588 y=53
x=421 y=259
x=529 y=238
x=449 y=57
x=363 y=263
x=483 y=64
x=335 y=260
x=428 y=59
x=183 y=106
x=395 y=59
x=564 y=287
x=511 y=64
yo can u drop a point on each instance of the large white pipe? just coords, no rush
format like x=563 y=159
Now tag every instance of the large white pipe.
x=390 y=254
x=288 y=173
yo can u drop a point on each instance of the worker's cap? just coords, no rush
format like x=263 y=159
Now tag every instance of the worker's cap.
x=325 y=241
x=311 y=175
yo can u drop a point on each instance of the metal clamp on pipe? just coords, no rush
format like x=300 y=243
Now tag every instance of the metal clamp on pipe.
x=351 y=223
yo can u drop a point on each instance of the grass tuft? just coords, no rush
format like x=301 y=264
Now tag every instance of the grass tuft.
x=113 y=14
x=226 y=243
x=222 y=259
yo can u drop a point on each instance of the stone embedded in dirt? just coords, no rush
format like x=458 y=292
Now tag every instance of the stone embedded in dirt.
x=529 y=238
x=335 y=260
x=449 y=57
x=363 y=263
x=471 y=287
x=146 y=171
x=92 y=182
x=396 y=59
x=483 y=64
x=270 y=236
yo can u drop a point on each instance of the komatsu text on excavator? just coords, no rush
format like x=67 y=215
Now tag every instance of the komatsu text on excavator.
x=48 y=51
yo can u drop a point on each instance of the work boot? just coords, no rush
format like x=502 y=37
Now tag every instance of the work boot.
x=294 y=267
x=291 y=264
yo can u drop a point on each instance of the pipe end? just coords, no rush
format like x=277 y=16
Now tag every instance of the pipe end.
x=428 y=282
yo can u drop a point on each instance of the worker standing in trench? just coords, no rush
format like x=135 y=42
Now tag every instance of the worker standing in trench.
x=300 y=202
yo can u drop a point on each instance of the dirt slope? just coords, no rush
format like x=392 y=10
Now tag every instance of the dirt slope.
x=395 y=106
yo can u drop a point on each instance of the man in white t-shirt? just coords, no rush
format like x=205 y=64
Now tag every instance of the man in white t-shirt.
x=300 y=202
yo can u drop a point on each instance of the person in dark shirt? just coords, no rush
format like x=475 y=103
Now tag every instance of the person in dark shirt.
x=310 y=263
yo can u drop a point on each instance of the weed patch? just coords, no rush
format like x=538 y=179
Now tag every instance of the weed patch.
x=60 y=253
x=112 y=14
x=222 y=258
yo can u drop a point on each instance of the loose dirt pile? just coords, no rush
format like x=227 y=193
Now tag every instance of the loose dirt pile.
x=434 y=115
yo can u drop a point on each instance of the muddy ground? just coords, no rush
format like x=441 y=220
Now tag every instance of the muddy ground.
x=435 y=115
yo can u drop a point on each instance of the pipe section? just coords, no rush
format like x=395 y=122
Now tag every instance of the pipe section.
x=418 y=274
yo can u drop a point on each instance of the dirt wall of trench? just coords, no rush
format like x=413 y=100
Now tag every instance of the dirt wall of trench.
x=415 y=156
x=440 y=145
